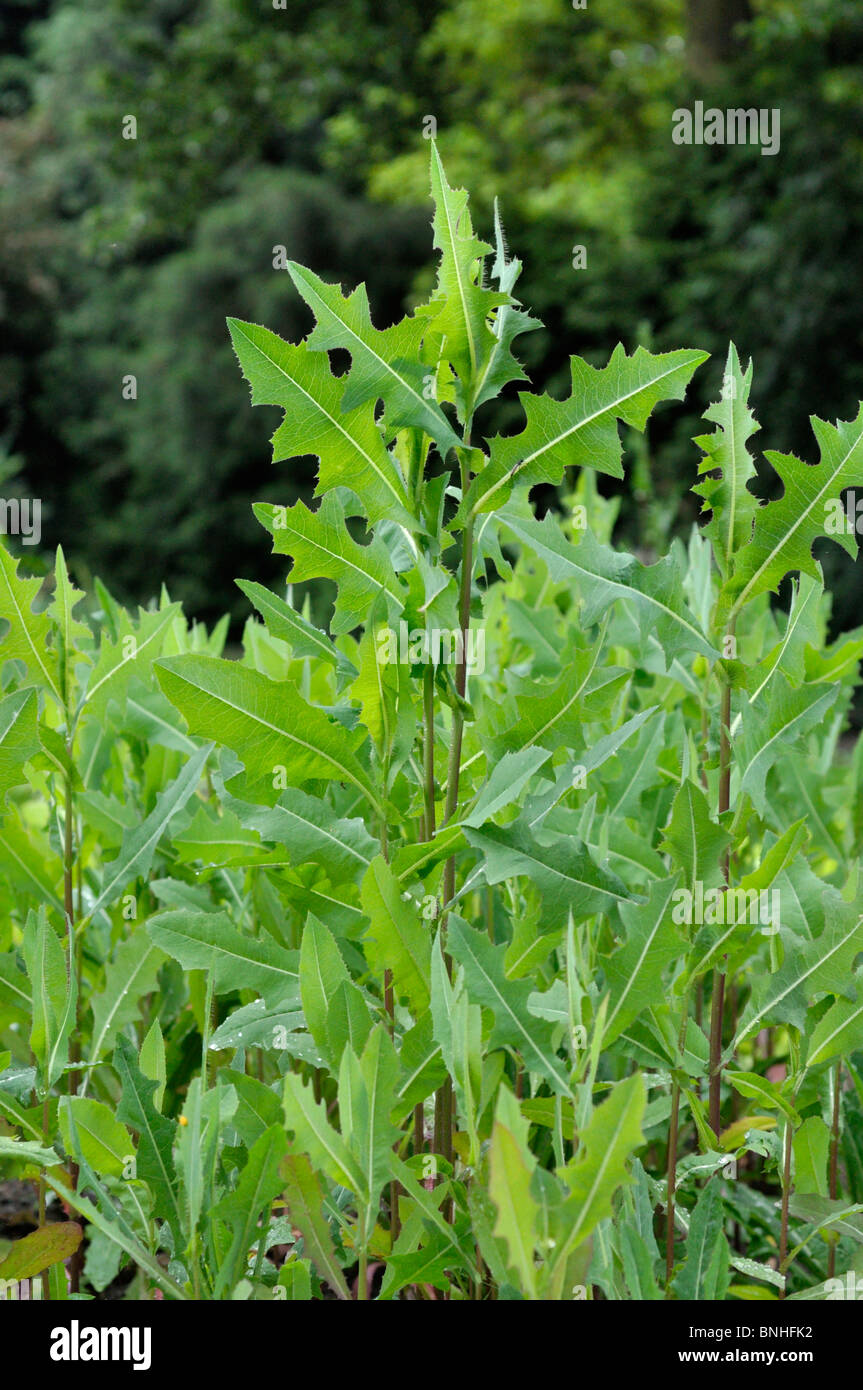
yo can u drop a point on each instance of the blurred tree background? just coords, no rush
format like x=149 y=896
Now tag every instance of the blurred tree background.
x=302 y=126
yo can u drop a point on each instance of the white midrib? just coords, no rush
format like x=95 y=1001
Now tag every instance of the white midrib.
x=609 y=408
x=333 y=420
x=781 y=544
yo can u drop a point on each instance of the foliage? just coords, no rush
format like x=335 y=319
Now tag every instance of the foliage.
x=375 y=962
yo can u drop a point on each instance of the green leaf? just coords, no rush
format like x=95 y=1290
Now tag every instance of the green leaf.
x=304 y=1199
x=838 y=1033
x=599 y=1167
x=384 y=364
x=511 y=1167
x=289 y=626
x=582 y=431
x=463 y=303
x=315 y=1136
x=104 y=1142
x=563 y=872
x=514 y=1024
x=396 y=939
x=727 y=498
x=54 y=995
x=125 y=657
x=20 y=1150
x=636 y=972
x=29 y=633
x=41 y=1249
x=310 y=833
x=322 y=974
x=128 y=979
x=139 y=844
x=201 y=940
x=605 y=575
x=259 y=1184
x=367 y=1088
x=321 y=547
x=768 y=732
x=786 y=529
x=348 y=443
x=154 y=1158
x=825 y=963
x=509 y=321
x=693 y=839
x=705 y=1272
x=19 y=738
x=268 y=724
x=507 y=781
x=811 y=1149
x=153 y=1062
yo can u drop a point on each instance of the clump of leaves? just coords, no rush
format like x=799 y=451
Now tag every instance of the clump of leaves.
x=500 y=941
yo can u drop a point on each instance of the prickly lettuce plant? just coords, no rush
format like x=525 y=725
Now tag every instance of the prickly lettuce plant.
x=500 y=940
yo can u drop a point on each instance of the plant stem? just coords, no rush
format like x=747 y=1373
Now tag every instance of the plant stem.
x=75 y=961
x=717 y=1003
x=45 y=1276
x=786 y=1196
x=673 y=1132
x=362 y=1277
x=834 y=1160
x=444 y=1133
x=428 y=752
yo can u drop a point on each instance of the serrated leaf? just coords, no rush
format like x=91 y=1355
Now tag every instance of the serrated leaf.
x=396 y=939
x=605 y=575
x=635 y=973
x=154 y=1163
x=201 y=940
x=463 y=303
x=727 y=496
x=786 y=529
x=348 y=443
x=385 y=364
x=258 y=1184
x=304 y=1198
x=514 y=1024
x=19 y=738
x=582 y=431
x=266 y=723
x=321 y=547
x=566 y=878
x=29 y=636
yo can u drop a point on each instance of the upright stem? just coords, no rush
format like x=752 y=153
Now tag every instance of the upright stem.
x=428 y=751
x=717 y=1005
x=444 y=1113
x=45 y=1276
x=786 y=1197
x=673 y=1131
x=834 y=1160
x=75 y=946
